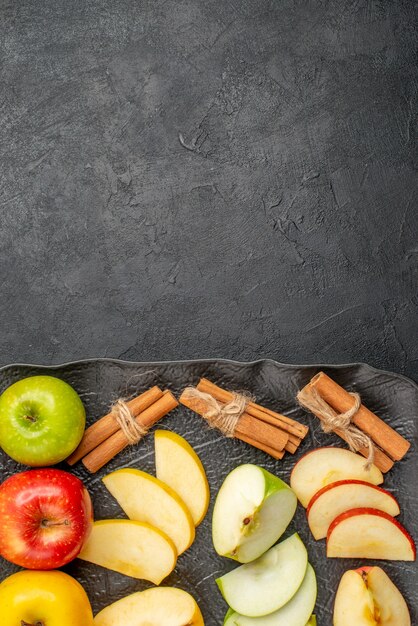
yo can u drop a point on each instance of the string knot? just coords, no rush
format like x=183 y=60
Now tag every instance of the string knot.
x=224 y=417
x=127 y=422
x=310 y=399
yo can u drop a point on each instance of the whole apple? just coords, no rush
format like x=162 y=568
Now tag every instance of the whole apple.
x=42 y=420
x=46 y=516
x=44 y=599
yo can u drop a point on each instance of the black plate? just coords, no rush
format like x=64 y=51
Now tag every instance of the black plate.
x=99 y=382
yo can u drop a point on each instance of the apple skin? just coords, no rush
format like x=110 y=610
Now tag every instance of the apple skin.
x=46 y=598
x=42 y=420
x=368 y=511
x=46 y=516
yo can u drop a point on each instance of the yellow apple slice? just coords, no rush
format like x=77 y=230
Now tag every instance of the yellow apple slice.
x=131 y=548
x=147 y=499
x=178 y=465
x=161 y=606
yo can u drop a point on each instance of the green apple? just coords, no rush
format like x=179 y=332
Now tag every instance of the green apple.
x=296 y=612
x=265 y=585
x=252 y=510
x=42 y=420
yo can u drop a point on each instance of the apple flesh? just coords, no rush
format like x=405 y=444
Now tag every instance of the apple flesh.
x=147 y=499
x=132 y=548
x=252 y=510
x=160 y=606
x=178 y=465
x=323 y=466
x=42 y=420
x=44 y=599
x=367 y=597
x=46 y=515
x=369 y=534
x=296 y=612
x=265 y=585
x=336 y=498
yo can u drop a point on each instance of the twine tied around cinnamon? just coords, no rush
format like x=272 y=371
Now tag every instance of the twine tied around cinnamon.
x=310 y=399
x=127 y=423
x=224 y=417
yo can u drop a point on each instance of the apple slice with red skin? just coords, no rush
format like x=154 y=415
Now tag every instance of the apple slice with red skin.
x=369 y=534
x=343 y=495
x=367 y=597
x=324 y=466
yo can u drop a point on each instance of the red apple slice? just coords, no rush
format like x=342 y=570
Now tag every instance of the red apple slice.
x=369 y=534
x=323 y=466
x=366 y=597
x=336 y=498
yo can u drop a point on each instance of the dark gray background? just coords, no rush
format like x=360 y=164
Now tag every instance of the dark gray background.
x=286 y=224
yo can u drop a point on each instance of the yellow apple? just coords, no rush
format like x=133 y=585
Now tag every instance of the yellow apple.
x=49 y=598
x=131 y=548
x=367 y=597
x=178 y=465
x=161 y=606
x=147 y=499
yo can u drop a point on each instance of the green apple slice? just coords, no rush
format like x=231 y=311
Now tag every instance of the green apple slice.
x=252 y=510
x=295 y=613
x=269 y=582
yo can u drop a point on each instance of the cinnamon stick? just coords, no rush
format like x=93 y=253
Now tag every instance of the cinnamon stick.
x=248 y=429
x=107 y=425
x=103 y=453
x=261 y=413
x=276 y=454
x=391 y=442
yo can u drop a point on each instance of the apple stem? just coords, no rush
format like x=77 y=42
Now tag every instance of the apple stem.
x=23 y=623
x=30 y=418
x=45 y=523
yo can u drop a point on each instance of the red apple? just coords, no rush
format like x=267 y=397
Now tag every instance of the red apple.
x=46 y=516
x=369 y=534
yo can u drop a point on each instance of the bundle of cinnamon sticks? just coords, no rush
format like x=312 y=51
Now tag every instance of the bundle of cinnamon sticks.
x=262 y=428
x=389 y=446
x=105 y=438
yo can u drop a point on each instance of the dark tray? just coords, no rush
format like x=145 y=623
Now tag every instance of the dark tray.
x=100 y=381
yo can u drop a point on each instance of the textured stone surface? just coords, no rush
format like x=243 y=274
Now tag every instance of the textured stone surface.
x=284 y=226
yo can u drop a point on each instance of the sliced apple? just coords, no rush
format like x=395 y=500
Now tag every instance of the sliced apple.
x=252 y=510
x=353 y=603
x=160 y=606
x=147 y=499
x=369 y=534
x=323 y=466
x=390 y=603
x=296 y=612
x=131 y=548
x=178 y=465
x=367 y=597
x=336 y=498
x=266 y=584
